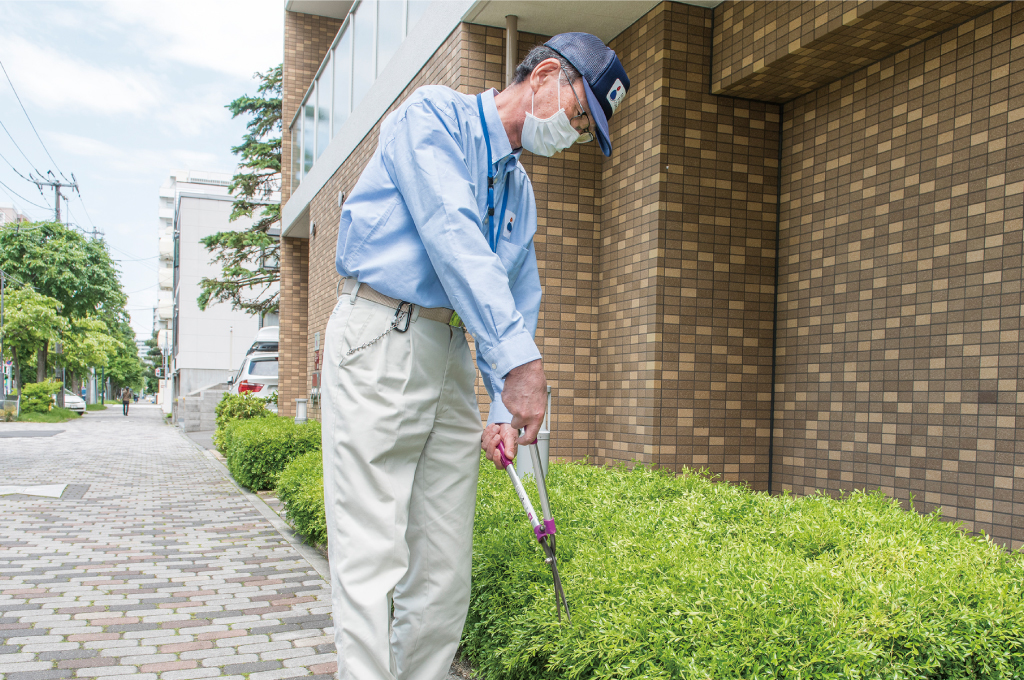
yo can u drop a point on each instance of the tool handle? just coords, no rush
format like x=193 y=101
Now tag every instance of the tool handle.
x=520 y=491
x=542 y=487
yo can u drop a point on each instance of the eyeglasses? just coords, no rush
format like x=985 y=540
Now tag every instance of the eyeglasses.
x=585 y=135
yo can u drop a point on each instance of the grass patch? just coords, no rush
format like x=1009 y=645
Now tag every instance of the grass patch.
x=54 y=415
x=680 y=577
x=95 y=407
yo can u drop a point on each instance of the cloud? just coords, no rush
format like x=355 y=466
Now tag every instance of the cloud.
x=60 y=80
x=138 y=162
x=235 y=37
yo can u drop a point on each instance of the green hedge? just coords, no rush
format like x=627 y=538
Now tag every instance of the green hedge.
x=258 y=450
x=38 y=397
x=241 y=407
x=681 y=577
x=301 y=488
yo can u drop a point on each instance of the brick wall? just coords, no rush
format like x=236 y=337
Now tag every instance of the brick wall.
x=294 y=323
x=900 y=280
x=775 y=51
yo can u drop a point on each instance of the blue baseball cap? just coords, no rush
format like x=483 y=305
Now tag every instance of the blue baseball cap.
x=604 y=79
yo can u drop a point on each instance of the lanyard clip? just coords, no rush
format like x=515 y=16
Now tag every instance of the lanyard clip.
x=397 y=323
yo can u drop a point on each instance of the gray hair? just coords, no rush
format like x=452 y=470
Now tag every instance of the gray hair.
x=535 y=57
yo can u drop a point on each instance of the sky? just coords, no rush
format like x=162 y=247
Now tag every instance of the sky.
x=121 y=94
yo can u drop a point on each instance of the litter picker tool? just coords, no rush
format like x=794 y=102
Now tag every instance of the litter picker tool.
x=545 y=531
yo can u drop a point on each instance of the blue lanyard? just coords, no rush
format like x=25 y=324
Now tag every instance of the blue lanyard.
x=492 y=234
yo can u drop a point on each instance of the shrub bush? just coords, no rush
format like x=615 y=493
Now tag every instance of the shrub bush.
x=54 y=415
x=38 y=397
x=258 y=450
x=680 y=577
x=240 y=407
x=301 y=488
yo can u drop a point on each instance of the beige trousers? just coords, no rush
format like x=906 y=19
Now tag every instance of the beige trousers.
x=401 y=445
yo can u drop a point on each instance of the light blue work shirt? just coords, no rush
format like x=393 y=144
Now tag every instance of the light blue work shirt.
x=415 y=227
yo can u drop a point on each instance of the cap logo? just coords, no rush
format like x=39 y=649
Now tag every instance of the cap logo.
x=616 y=94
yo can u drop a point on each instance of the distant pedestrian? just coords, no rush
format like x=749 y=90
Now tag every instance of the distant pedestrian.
x=126 y=397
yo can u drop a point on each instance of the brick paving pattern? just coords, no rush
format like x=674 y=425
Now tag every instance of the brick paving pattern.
x=160 y=569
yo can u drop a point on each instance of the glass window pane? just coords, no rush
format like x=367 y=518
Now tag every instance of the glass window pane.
x=390 y=30
x=309 y=130
x=342 y=79
x=323 y=108
x=263 y=367
x=362 y=56
x=296 y=152
x=416 y=10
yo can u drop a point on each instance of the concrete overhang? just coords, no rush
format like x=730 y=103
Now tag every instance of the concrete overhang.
x=335 y=9
x=603 y=19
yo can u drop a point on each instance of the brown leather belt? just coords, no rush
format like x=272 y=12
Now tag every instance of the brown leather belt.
x=441 y=314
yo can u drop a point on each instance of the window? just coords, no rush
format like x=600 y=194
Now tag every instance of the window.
x=367 y=41
x=323 y=107
x=342 y=80
x=308 y=133
x=390 y=30
x=363 y=49
x=263 y=368
x=297 y=153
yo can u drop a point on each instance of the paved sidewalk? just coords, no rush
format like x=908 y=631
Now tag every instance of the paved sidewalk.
x=151 y=564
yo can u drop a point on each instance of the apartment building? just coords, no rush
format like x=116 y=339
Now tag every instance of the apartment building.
x=801 y=267
x=9 y=214
x=205 y=347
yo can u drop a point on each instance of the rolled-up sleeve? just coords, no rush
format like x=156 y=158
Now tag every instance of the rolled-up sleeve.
x=422 y=153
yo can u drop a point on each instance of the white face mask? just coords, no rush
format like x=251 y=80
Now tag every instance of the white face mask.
x=551 y=135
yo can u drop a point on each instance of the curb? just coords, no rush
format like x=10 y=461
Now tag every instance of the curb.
x=307 y=552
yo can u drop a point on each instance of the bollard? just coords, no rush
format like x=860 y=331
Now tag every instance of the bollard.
x=300 y=411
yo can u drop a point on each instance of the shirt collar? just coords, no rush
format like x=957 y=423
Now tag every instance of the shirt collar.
x=500 y=146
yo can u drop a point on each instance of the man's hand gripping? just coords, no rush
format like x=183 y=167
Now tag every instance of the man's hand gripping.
x=525 y=396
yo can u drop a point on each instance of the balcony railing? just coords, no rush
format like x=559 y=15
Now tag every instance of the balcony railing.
x=369 y=37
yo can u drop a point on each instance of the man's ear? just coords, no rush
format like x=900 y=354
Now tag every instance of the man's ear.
x=546 y=69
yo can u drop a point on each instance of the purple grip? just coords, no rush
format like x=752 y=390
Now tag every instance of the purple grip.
x=505 y=462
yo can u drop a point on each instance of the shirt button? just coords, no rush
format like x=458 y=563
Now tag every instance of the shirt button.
x=494 y=367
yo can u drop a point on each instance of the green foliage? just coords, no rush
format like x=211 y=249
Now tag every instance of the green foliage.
x=247 y=258
x=95 y=407
x=37 y=397
x=240 y=407
x=54 y=415
x=301 y=488
x=8 y=415
x=257 y=450
x=681 y=577
x=30 y=321
x=59 y=262
x=89 y=343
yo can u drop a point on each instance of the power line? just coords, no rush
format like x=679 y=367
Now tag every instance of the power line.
x=14 y=168
x=30 y=163
x=30 y=121
x=15 y=193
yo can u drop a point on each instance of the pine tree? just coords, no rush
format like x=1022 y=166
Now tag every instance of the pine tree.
x=249 y=258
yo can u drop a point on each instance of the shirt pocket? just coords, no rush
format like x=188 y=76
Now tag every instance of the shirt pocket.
x=512 y=257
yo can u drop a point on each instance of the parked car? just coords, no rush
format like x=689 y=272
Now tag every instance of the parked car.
x=257 y=376
x=73 y=402
x=266 y=340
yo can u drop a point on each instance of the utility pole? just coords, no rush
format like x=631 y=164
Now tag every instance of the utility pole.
x=57 y=185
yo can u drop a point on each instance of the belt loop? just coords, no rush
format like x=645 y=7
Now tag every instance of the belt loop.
x=355 y=292
x=415 y=313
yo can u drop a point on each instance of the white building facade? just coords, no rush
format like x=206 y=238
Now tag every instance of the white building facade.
x=203 y=347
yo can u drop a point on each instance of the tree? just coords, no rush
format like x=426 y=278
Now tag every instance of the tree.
x=248 y=258
x=30 y=321
x=62 y=264
x=124 y=368
x=88 y=344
